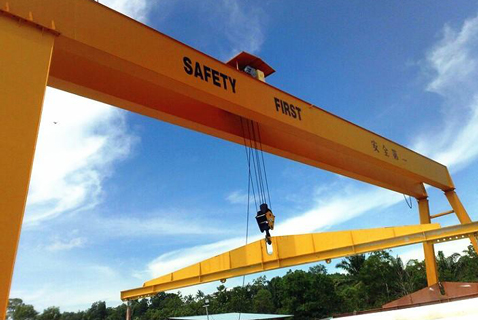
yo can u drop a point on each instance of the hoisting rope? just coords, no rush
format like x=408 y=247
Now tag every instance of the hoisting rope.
x=249 y=183
x=255 y=153
x=253 y=146
x=248 y=158
x=264 y=166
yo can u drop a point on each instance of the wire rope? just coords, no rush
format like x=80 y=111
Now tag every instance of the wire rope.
x=248 y=158
x=255 y=163
x=264 y=165
x=409 y=204
x=254 y=152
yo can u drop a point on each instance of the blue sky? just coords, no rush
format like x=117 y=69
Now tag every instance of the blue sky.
x=117 y=198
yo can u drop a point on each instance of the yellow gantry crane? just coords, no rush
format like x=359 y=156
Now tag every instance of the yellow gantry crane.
x=85 y=48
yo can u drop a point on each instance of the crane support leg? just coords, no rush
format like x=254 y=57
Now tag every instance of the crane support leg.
x=128 y=310
x=428 y=247
x=460 y=212
x=25 y=61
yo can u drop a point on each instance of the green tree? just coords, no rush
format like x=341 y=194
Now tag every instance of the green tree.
x=276 y=288
x=13 y=304
x=379 y=279
x=241 y=299
x=309 y=295
x=18 y=310
x=25 y=312
x=220 y=300
x=118 y=313
x=80 y=315
x=468 y=265
x=448 y=267
x=352 y=297
x=417 y=275
x=51 y=313
x=263 y=303
x=352 y=265
x=139 y=308
x=97 y=311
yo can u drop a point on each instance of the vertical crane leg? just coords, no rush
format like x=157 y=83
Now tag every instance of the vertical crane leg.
x=24 y=64
x=460 y=212
x=428 y=248
x=128 y=310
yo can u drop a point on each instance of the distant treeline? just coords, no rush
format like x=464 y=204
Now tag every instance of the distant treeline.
x=368 y=281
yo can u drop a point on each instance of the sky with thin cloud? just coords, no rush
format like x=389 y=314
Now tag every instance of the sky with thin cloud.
x=118 y=198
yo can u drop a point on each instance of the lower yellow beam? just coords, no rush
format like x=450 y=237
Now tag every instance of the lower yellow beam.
x=25 y=53
x=298 y=249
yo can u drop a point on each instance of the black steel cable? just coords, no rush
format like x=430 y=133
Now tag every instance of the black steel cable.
x=256 y=150
x=264 y=165
x=248 y=158
x=249 y=184
x=247 y=226
x=259 y=191
x=250 y=177
x=410 y=205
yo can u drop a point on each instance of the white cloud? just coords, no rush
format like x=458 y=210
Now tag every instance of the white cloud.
x=244 y=26
x=453 y=63
x=60 y=245
x=332 y=210
x=241 y=24
x=237 y=197
x=78 y=143
x=136 y=9
x=154 y=226
x=91 y=283
x=178 y=259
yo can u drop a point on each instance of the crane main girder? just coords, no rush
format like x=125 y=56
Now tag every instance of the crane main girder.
x=142 y=70
x=299 y=249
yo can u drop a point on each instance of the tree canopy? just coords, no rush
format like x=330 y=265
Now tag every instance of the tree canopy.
x=367 y=281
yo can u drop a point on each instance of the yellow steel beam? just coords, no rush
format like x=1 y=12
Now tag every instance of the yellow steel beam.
x=460 y=212
x=24 y=61
x=428 y=248
x=441 y=214
x=299 y=249
x=144 y=71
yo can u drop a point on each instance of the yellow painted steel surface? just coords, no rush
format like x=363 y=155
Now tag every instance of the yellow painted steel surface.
x=25 y=53
x=106 y=56
x=460 y=212
x=428 y=248
x=299 y=249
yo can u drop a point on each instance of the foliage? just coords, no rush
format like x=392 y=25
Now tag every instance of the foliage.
x=51 y=313
x=368 y=282
x=17 y=310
